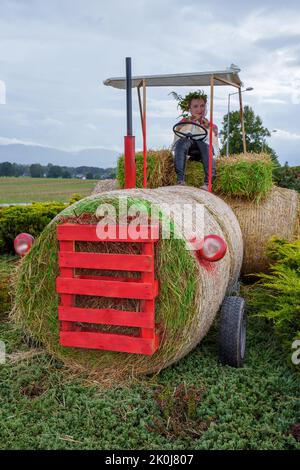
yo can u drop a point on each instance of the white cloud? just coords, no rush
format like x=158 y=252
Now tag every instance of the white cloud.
x=273 y=100
x=286 y=135
x=2 y=92
x=265 y=23
x=14 y=140
x=52 y=122
x=92 y=127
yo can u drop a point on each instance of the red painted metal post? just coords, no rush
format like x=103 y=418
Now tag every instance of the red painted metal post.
x=210 y=160
x=144 y=155
x=129 y=140
x=129 y=161
x=144 y=137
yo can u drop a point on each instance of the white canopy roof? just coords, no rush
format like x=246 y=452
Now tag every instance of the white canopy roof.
x=180 y=79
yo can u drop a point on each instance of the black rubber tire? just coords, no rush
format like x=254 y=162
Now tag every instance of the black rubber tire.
x=233 y=328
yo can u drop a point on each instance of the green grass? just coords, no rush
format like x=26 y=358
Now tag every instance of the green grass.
x=25 y=189
x=6 y=267
x=42 y=406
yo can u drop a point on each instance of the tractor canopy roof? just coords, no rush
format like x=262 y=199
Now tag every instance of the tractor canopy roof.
x=229 y=76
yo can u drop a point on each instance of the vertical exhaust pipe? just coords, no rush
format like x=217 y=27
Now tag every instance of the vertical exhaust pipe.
x=129 y=139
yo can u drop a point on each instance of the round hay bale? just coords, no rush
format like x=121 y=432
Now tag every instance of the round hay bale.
x=190 y=293
x=105 y=185
x=277 y=215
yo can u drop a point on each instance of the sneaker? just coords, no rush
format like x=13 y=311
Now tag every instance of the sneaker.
x=180 y=183
x=204 y=187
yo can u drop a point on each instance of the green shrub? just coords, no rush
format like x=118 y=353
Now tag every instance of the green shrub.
x=6 y=267
x=276 y=295
x=287 y=177
x=31 y=219
x=75 y=197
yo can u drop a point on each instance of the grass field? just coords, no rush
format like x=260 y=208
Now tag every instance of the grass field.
x=25 y=189
x=195 y=404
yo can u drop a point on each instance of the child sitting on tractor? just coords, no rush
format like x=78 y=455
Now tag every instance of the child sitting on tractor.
x=192 y=139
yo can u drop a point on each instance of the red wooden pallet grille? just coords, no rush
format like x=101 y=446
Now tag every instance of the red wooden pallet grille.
x=92 y=233
x=145 y=289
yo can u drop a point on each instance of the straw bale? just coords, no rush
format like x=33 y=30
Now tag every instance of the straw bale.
x=277 y=215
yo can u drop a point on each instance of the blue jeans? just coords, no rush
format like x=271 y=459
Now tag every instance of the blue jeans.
x=197 y=150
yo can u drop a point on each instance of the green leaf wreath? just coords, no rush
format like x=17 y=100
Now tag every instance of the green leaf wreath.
x=185 y=101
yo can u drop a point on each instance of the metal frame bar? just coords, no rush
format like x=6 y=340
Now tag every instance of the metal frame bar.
x=242 y=121
x=144 y=135
x=228 y=82
x=212 y=82
x=128 y=96
x=210 y=162
x=130 y=165
x=142 y=106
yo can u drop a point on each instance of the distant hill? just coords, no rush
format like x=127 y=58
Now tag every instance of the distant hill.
x=27 y=154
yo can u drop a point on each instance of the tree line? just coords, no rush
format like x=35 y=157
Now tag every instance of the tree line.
x=36 y=170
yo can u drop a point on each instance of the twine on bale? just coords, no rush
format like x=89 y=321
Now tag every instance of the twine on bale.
x=190 y=293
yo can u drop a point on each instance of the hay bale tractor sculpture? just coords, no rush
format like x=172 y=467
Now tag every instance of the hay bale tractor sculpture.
x=110 y=294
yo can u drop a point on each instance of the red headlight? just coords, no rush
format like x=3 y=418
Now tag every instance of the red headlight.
x=22 y=243
x=213 y=249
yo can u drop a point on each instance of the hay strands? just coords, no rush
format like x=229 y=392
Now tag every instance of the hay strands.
x=72 y=318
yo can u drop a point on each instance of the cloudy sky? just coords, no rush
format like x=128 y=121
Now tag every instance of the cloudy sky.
x=55 y=55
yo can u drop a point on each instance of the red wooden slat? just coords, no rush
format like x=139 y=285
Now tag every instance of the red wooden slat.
x=108 y=278
x=121 y=279
x=109 y=341
x=108 y=316
x=148 y=305
x=88 y=232
x=127 y=290
x=125 y=262
x=67 y=299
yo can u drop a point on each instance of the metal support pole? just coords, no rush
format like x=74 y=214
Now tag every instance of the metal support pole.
x=129 y=139
x=210 y=134
x=128 y=96
x=242 y=121
x=142 y=106
x=228 y=122
x=144 y=136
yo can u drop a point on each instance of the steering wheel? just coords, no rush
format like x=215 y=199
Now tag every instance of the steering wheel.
x=189 y=135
